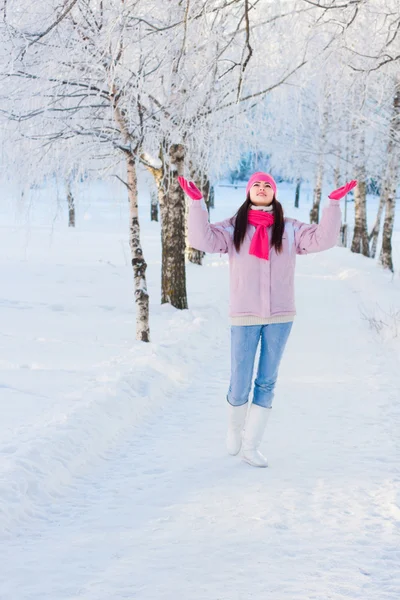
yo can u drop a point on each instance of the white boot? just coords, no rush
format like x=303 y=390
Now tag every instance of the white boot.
x=253 y=433
x=236 y=420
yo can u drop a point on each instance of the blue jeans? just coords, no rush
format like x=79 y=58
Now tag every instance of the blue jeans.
x=244 y=342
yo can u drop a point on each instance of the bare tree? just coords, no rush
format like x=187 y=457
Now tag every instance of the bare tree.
x=78 y=82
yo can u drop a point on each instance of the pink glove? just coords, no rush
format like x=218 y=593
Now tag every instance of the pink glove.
x=190 y=189
x=342 y=191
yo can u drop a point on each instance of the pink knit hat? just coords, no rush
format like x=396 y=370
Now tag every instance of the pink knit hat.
x=260 y=177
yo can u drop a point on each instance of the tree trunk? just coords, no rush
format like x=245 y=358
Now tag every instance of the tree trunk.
x=211 y=197
x=138 y=263
x=360 y=243
x=194 y=256
x=347 y=175
x=385 y=257
x=205 y=188
x=171 y=200
x=343 y=235
x=297 y=194
x=392 y=183
x=373 y=236
x=172 y=208
x=336 y=172
x=154 y=206
x=71 y=204
x=314 y=212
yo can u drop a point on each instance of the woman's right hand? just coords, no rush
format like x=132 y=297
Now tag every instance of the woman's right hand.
x=190 y=189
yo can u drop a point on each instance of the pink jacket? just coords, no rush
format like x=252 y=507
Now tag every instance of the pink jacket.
x=259 y=287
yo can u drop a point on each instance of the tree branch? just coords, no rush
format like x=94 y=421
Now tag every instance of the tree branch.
x=255 y=95
x=51 y=27
x=333 y=6
x=249 y=50
x=381 y=64
x=122 y=181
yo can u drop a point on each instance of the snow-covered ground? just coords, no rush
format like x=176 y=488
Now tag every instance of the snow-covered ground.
x=114 y=481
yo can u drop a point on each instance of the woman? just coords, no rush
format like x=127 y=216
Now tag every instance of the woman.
x=262 y=245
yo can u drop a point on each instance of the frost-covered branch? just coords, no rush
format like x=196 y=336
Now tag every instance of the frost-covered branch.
x=245 y=58
x=333 y=5
x=62 y=16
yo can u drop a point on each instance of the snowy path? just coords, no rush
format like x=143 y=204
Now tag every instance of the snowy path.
x=168 y=513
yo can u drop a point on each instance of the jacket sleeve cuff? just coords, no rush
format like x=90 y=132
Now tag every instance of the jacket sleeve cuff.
x=197 y=203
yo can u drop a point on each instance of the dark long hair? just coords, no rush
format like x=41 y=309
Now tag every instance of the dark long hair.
x=277 y=228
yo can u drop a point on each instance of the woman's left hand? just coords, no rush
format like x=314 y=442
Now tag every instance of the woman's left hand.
x=342 y=191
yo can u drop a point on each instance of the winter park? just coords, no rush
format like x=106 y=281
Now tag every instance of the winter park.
x=200 y=300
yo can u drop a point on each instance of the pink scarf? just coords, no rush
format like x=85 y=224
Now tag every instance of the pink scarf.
x=259 y=244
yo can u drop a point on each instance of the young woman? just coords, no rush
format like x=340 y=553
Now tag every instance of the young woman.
x=262 y=245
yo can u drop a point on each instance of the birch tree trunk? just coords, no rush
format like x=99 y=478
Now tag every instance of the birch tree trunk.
x=172 y=201
x=192 y=254
x=336 y=174
x=385 y=257
x=360 y=243
x=373 y=236
x=172 y=209
x=154 y=206
x=211 y=197
x=342 y=241
x=314 y=212
x=347 y=153
x=71 y=204
x=205 y=188
x=392 y=183
x=138 y=263
x=297 y=194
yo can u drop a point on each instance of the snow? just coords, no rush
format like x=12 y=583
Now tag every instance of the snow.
x=114 y=480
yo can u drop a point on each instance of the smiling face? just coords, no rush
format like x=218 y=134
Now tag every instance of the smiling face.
x=261 y=193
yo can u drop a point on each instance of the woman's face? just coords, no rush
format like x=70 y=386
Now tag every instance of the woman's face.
x=261 y=193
